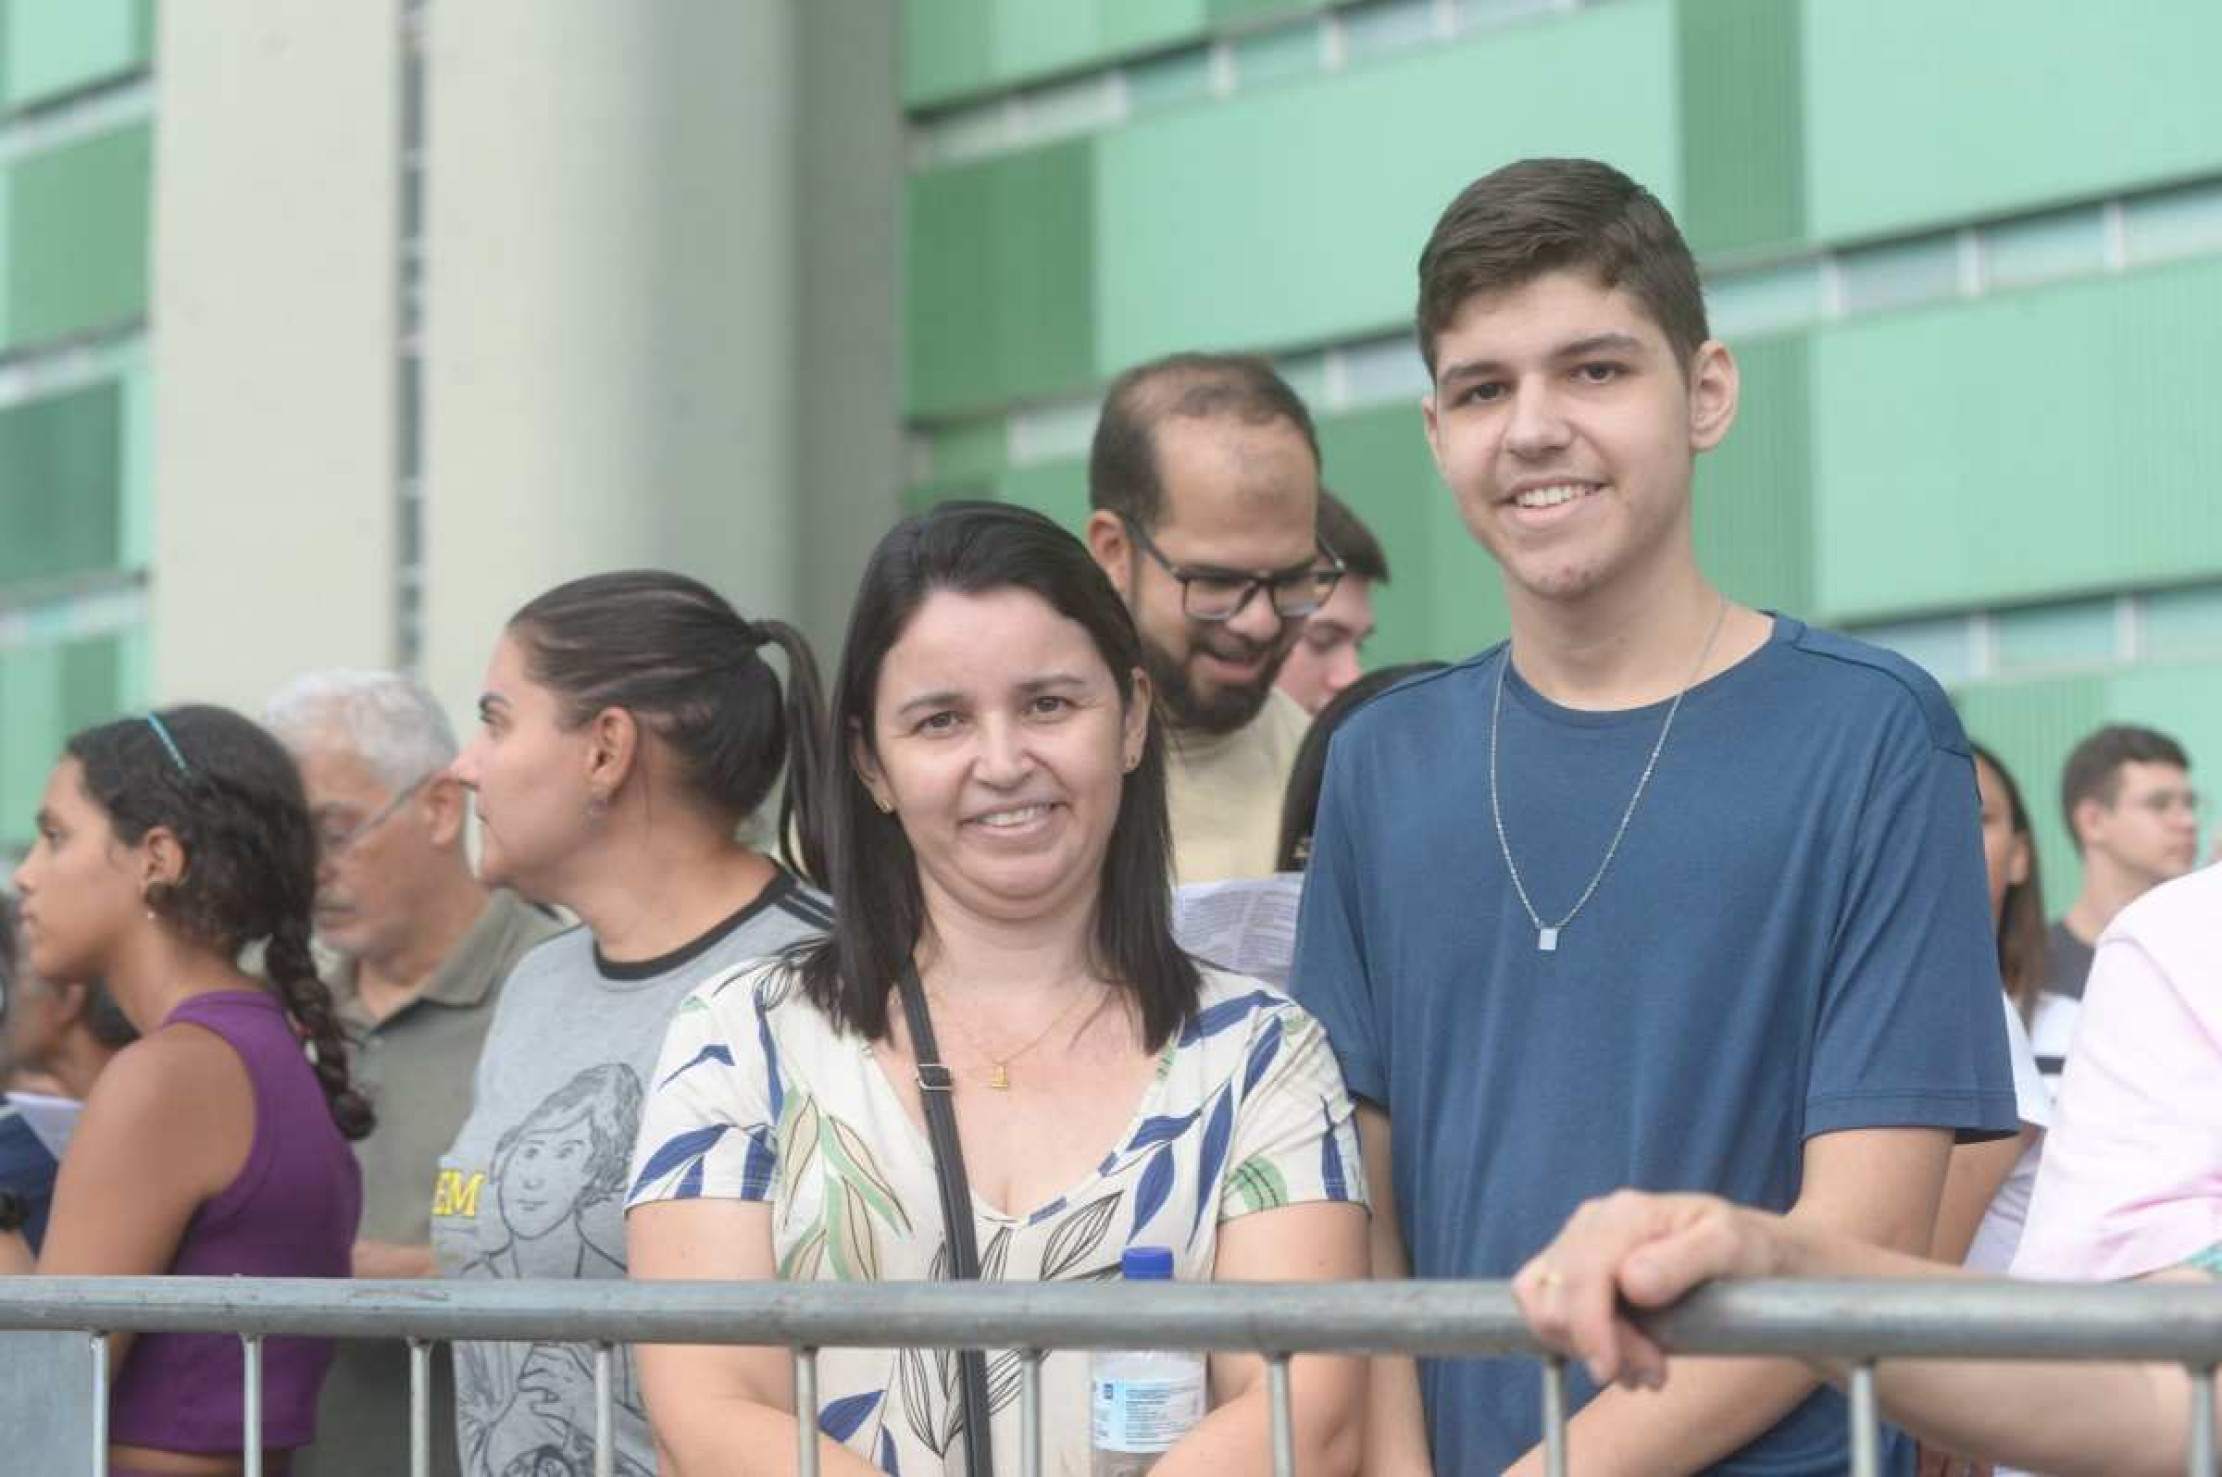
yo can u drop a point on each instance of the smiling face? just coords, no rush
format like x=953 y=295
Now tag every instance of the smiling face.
x=1240 y=499
x=1566 y=429
x=1001 y=744
x=530 y=777
x=82 y=890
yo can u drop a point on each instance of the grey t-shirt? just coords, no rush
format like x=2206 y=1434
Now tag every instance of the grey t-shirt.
x=535 y=1183
x=2067 y=962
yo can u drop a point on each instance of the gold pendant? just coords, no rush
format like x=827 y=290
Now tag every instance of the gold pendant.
x=999 y=1079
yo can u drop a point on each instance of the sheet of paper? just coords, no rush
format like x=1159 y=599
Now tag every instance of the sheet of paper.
x=1248 y=927
x=51 y=1119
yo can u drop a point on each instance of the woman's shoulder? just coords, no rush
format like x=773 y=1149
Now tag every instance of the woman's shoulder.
x=1239 y=1006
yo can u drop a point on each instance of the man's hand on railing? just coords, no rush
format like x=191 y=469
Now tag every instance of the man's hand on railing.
x=1647 y=1250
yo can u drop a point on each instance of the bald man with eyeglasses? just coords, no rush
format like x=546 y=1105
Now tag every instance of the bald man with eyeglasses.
x=1204 y=488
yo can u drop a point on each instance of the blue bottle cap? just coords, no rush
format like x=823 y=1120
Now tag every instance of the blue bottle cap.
x=1147 y=1264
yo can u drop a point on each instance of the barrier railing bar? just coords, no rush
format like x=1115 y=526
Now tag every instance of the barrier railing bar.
x=2201 y=1445
x=1554 y=1418
x=1283 y=1418
x=1866 y=1424
x=250 y=1352
x=1030 y=1413
x=420 y=1408
x=806 y=1413
x=99 y=1342
x=1848 y=1322
x=605 y=1421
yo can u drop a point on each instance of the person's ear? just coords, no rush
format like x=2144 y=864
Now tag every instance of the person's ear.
x=867 y=766
x=2090 y=820
x=446 y=807
x=1134 y=724
x=1714 y=387
x=162 y=859
x=613 y=741
x=1113 y=550
x=1431 y=422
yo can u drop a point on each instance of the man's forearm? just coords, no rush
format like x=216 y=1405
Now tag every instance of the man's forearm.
x=1711 y=1407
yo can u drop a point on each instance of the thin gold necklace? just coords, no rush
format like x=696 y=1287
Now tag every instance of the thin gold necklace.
x=1000 y=1077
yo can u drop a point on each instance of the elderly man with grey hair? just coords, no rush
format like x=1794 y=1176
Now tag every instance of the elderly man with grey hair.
x=423 y=949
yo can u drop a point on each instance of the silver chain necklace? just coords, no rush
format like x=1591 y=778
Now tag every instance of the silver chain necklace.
x=1546 y=934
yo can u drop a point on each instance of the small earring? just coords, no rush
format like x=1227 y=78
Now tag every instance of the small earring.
x=887 y=806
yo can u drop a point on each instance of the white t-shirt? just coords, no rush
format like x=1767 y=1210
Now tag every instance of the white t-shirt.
x=1998 y=1235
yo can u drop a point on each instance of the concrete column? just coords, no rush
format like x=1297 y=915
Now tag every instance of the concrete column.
x=611 y=305
x=273 y=342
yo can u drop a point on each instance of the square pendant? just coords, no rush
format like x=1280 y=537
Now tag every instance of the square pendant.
x=1546 y=940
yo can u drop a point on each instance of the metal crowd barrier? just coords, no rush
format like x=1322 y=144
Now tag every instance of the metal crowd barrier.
x=1849 y=1323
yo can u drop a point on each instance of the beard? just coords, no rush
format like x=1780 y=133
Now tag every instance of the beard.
x=1222 y=710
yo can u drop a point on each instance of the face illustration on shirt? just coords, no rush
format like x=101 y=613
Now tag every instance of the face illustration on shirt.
x=545 y=1177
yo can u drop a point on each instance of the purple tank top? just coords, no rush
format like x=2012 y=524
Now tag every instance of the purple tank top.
x=292 y=1212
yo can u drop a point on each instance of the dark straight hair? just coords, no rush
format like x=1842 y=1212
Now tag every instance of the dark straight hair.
x=975 y=548
x=676 y=655
x=230 y=794
x=1307 y=776
x=2021 y=917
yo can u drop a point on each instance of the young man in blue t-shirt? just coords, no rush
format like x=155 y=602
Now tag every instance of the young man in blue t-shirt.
x=1667 y=892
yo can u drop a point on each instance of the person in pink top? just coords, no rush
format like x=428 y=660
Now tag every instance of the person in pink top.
x=2130 y=1187
x=2132 y=1175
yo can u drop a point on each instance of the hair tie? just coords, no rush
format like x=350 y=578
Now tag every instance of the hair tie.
x=162 y=732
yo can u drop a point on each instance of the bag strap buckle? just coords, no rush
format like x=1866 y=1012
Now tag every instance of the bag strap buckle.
x=934 y=1077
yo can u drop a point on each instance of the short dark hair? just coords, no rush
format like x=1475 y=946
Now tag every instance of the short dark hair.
x=1344 y=532
x=674 y=653
x=2094 y=767
x=975 y=548
x=2021 y=916
x=1307 y=775
x=1122 y=461
x=1537 y=216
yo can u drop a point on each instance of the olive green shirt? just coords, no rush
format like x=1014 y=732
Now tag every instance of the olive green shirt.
x=416 y=1065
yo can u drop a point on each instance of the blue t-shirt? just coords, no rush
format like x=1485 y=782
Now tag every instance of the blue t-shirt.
x=26 y=1169
x=1793 y=940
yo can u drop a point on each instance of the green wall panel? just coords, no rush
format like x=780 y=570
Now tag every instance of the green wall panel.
x=1296 y=215
x=1753 y=497
x=48 y=692
x=49 y=48
x=2020 y=447
x=1743 y=147
x=1444 y=598
x=2032 y=726
x=1922 y=112
x=1001 y=255
x=60 y=474
x=77 y=222
x=954 y=49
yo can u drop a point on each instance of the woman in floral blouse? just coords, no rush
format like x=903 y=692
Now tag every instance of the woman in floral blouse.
x=1000 y=823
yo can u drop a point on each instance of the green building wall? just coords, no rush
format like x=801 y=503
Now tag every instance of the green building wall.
x=76 y=159
x=1970 y=257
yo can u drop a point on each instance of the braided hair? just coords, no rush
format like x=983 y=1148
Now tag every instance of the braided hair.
x=230 y=794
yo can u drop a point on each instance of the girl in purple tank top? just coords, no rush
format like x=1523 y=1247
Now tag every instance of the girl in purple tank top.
x=217 y=1145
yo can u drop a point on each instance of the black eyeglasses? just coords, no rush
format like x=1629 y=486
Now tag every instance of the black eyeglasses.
x=1215 y=595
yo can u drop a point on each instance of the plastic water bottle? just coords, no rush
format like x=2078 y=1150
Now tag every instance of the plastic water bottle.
x=1141 y=1402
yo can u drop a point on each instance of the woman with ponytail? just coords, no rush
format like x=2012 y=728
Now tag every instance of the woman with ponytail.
x=216 y=1145
x=629 y=727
